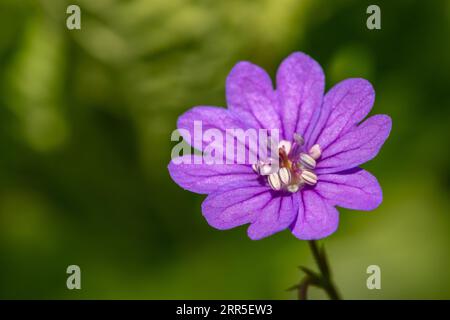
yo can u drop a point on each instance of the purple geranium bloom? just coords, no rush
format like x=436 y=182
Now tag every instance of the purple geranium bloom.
x=323 y=145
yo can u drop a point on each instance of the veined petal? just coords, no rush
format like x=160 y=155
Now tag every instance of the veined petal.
x=206 y=178
x=316 y=218
x=300 y=87
x=356 y=147
x=345 y=105
x=353 y=189
x=210 y=117
x=249 y=202
x=214 y=118
x=235 y=204
x=276 y=216
x=250 y=95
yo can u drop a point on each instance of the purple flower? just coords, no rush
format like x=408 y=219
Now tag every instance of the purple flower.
x=324 y=142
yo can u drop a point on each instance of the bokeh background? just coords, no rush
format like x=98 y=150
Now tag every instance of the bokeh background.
x=85 y=124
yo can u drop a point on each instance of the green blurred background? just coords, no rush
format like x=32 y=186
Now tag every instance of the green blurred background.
x=85 y=123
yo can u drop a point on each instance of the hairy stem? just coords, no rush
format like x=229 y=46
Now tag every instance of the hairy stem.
x=326 y=282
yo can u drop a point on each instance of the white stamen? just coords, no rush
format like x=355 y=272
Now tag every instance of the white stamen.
x=315 y=151
x=285 y=175
x=274 y=181
x=293 y=188
x=307 y=161
x=297 y=145
x=309 y=177
x=299 y=139
x=266 y=167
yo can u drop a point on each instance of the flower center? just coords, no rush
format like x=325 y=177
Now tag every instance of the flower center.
x=295 y=167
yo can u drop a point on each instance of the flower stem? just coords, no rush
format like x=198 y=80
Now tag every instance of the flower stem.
x=326 y=282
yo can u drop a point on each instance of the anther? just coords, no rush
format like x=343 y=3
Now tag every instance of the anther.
x=285 y=176
x=309 y=177
x=315 y=151
x=293 y=188
x=307 y=161
x=299 y=139
x=297 y=145
x=274 y=181
x=264 y=168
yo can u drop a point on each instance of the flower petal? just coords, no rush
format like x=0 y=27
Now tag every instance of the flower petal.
x=235 y=204
x=214 y=118
x=250 y=96
x=353 y=189
x=249 y=202
x=210 y=117
x=356 y=147
x=206 y=178
x=316 y=218
x=300 y=87
x=346 y=104
x=276 y=216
